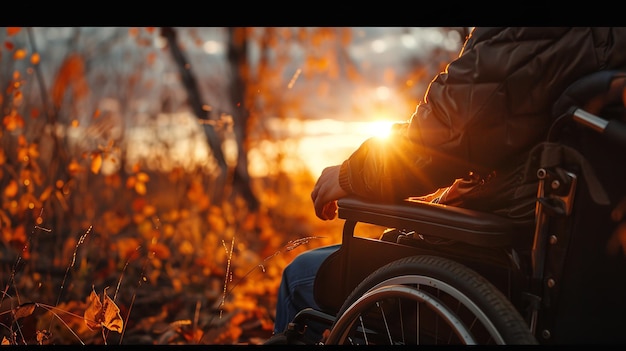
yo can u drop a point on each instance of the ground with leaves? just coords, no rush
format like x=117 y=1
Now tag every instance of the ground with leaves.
x=143 y=254
x=159 y=275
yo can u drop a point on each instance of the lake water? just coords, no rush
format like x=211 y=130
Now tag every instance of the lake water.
x=313 y=144
x=316 y=143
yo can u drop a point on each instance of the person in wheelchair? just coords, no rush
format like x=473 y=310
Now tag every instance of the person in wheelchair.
x=467 y=141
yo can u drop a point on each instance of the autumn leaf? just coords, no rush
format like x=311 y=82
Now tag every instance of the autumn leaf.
x=93 y=312
x=127 y=247
x=140 y=188
x=13 y=121
x=71 y=75
x=11 y=189
x=34 y=58
x=45 y=195
x=33 y=150
x=143 y=177
x=24 y=310
x=130 y=182
x=19 y=54
x=96 y=163
x=42 y=335
x=13 y=30
x=103 y=314
x=74 y=167
x=149 y=210
x=160 y=251
x=112 y=318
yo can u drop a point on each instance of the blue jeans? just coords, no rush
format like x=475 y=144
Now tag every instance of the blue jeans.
x=296 y=288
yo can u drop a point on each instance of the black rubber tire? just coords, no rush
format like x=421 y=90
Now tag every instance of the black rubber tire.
x=453 y=283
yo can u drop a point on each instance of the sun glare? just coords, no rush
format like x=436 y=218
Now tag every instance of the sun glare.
x=379 y=129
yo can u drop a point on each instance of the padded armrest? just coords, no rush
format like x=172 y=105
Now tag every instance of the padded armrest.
x=448 y=222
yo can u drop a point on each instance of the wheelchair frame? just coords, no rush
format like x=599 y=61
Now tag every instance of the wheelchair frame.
x=525 y=265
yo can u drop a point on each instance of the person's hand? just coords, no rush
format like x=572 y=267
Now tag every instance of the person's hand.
x=326 y=192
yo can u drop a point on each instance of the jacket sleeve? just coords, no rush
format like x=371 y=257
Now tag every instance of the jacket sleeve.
x=393 y=168
x=487 y=108
x=402 y=164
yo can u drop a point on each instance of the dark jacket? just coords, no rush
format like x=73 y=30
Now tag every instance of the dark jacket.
x=485 y=112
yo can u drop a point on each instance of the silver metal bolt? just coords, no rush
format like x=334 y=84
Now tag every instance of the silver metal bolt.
x=541 y=173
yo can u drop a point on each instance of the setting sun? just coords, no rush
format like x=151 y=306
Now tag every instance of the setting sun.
x=380 y=129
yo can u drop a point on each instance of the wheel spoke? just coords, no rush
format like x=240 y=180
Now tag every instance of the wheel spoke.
x=382 y=313
x=364 y=331
x=435 y=290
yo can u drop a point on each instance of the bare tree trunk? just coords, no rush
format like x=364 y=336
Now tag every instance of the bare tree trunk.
x=238 y=64
x=241 y=179
x=195 y=101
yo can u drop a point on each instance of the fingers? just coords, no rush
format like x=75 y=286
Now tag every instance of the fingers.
x=326 y=192
x=326 y=211
x=323 y=209
x=330 y=210
x=318 y=204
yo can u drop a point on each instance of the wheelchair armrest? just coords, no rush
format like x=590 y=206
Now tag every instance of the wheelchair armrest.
x=448 y=222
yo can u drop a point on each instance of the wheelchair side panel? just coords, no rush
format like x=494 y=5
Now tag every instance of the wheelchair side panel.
x=585 y=281
x=358 y=257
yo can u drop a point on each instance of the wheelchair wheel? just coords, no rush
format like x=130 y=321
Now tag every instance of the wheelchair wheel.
x=428 y=300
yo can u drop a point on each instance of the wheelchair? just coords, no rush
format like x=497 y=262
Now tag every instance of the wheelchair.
x=455 y=275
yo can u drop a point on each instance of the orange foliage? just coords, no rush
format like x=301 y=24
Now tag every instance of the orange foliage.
x=74 y=167
x=45 y=195
x=96 y=162
x=19 y=54
x=34 y=58
x=13 y=121
x=71 y=75
x=24 y=310
x=27 y=152
x=103 y=313
x=11 y=189
x=138 y=182
x=127 y=247
x=13 y=30
x=179 y=259
x=160 y=251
